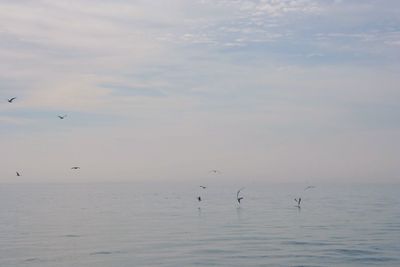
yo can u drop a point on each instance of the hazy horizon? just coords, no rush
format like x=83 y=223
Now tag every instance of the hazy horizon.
x=266 y=91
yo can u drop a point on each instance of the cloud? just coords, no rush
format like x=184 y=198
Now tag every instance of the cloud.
x=15 y=120
x=279 y=8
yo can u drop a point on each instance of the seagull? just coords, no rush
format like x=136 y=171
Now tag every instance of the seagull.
x=62 y=117
x=202 y=186
x=237 y=195
x=11 y=99
x=309 y=187
x=199 y=198
x=298 y=201
x=215 y=171
x=18 y=174
x=75 y=168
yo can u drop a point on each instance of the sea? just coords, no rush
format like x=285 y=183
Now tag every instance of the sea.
x=163 y=224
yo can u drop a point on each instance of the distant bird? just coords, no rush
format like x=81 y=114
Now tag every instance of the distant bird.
x=215 y=171
x=75 y=168
x=298 y=201
x=18 y=174
x=202 y=186
x=62 y=117
x=11 y=99
x=237 y=195
x=199 y=198
x=309 y=187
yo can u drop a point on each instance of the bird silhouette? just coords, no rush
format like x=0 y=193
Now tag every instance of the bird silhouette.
x=62 y=117
x=237 y=195
x=199 y=198
x=11 y=99
x=298 y=201
x=202 y=186
x=18 y=174
x=309 y=187
x=75 y=168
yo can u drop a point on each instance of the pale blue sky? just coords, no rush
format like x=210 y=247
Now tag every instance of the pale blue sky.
x=278 y=91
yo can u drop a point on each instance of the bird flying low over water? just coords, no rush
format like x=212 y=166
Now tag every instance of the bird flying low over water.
x=298 y=201
x=202 y=186
x=75 y=168
x=62 y=117
x=237 y=195
x=309 y=187
x=18 y=174
x=11 y=99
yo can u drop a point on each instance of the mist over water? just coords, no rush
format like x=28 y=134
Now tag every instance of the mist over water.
x=131 y=225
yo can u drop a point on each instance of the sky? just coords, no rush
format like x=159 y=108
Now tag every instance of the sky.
x=262 y=90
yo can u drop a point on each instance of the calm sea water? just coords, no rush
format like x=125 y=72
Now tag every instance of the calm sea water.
x=117 y=225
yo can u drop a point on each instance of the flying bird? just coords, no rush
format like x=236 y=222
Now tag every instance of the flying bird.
x=309 y=187
x=199 y=198
x=75 y=168
x=237 y=195
x=215 y=171
x=298 y=201
x=11 y=99
x=202 y=186
x=62 y=117
x=18 y=174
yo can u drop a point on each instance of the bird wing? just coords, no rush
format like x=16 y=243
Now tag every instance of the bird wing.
x=309 y=187
x=237 y=194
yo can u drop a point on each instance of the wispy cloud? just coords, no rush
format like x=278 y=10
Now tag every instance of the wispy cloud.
x=13 y=120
